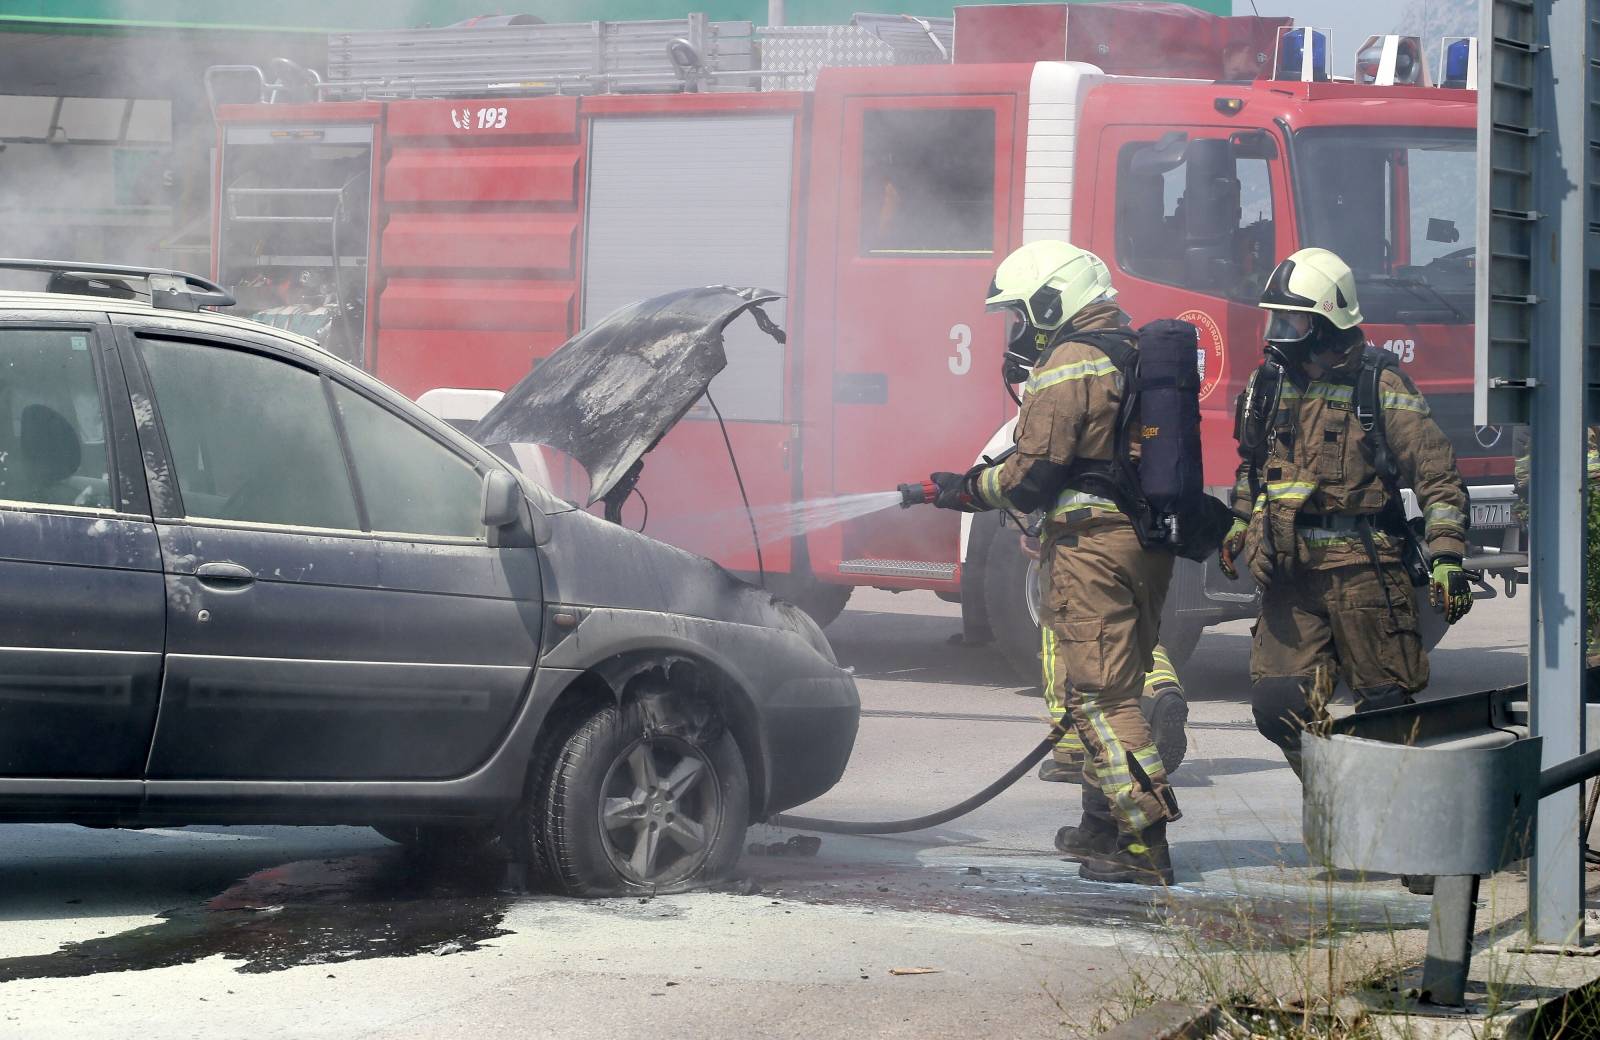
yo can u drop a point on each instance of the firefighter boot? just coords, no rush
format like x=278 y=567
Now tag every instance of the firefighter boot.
x=1141 y=859
x=1096 y=832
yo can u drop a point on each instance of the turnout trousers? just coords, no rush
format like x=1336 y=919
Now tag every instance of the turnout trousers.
x=1322 y=626
x=1102 y=599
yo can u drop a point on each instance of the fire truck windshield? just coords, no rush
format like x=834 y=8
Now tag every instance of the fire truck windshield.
x=1398 y=204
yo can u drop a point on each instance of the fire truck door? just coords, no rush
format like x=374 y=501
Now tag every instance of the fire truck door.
x=924 y=215
x=1193 y=234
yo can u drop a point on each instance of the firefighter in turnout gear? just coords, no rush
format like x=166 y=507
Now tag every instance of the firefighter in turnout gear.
x=1102 y=591
x=1065 y=765
x=1329 y=431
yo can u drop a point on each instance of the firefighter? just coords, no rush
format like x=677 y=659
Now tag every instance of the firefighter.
x=1101 y=590
x=1328 y=431
x=1065 y=765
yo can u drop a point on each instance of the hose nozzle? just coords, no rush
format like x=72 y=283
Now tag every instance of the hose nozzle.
x=917 y=494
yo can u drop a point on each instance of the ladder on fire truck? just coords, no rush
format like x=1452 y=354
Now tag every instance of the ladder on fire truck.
x=658 y=56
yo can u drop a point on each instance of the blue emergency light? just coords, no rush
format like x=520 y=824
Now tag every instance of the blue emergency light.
x=1291 y=63
x=1460 y=63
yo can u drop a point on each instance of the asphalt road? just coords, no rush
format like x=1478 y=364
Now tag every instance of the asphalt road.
x=277 y=932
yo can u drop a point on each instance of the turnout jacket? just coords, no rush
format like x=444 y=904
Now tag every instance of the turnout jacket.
x=1316 y=467
x=1069 y=414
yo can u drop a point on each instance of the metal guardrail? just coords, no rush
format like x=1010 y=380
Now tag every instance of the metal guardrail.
x=1448 y=787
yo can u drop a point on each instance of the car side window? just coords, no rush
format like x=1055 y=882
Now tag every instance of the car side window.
x=410 y=482
x=52 y=420
x=251 y=437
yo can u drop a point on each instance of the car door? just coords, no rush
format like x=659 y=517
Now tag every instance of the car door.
x=81 y=604
x=303 y=643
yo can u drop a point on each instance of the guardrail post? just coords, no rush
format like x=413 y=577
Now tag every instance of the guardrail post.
x=1449 y=957
x=1537 y=201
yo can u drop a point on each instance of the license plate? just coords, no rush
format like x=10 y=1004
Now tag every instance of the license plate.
x=1491 y=514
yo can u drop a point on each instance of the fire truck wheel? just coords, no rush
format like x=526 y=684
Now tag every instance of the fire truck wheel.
x=822 y=601
x=1167 y=716
x=631 y=810
x=1011 y=597
x=1180 y=634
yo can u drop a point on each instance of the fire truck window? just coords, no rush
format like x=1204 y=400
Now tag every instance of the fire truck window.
x=52 y=428
x=410 y=482
x=251 y=438
x=1202 y=220
x=927 y=182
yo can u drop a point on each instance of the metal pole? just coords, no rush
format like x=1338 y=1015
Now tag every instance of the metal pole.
x=1449 y=957
x=1556 y=485
x=775 y=12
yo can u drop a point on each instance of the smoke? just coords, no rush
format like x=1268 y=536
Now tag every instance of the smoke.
x=107 y=139
x=1433 y=20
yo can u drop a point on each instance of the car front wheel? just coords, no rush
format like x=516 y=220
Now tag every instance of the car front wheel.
x=632 y=809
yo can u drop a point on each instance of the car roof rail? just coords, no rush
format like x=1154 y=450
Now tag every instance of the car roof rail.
x=168 y=290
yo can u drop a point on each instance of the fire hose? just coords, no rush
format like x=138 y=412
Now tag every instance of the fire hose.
x=917 y=823
x=922 y=494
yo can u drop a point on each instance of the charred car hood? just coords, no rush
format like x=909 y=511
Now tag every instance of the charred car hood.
x=612 y=391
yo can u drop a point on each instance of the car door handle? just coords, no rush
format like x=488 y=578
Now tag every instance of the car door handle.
x=226 y=575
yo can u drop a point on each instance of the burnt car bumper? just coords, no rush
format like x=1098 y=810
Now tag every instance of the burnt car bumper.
x=811 y=730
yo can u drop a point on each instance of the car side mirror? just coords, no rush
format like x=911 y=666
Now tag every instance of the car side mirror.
x=502 y=499
x=507 y=515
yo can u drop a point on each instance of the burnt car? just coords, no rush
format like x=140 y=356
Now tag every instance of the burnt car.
x=245 y=582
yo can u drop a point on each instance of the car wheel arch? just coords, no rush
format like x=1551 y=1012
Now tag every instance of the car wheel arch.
x=675 y=674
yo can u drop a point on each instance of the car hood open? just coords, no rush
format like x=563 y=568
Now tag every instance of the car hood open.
x=611 y=392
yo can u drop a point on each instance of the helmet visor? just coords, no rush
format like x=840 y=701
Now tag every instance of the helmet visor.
x=1278 y=292
x=1288 y=326
x=1042 y=310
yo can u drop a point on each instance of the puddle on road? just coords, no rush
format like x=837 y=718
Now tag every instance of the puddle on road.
x=390 y=903
x=323 y=911
x=1260 y=915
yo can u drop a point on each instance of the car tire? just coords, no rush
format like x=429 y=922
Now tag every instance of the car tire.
x=660 y=839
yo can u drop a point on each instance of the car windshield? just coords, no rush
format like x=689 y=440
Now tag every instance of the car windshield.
x=1398 y=204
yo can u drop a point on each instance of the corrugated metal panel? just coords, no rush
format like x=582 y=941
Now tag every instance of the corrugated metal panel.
x=478 y=248
x=482 y=175
x=421 y=360
x=478 y=240
x=699 y=200
x=475 y=303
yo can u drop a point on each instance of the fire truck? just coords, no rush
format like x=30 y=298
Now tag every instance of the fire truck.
x=445 y=207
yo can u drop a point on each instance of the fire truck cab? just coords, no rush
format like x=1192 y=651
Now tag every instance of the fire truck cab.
x=448 y=206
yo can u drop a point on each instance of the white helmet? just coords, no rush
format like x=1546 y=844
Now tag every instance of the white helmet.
x=1310 y=282
x=1049 y=282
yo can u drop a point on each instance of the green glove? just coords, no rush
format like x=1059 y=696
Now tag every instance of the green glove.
x=1232 y=546
x=1449 y=590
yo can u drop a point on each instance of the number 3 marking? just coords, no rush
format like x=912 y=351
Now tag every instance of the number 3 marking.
x=961 y=336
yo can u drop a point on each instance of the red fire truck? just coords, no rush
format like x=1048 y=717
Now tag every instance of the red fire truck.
x=447 y=206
